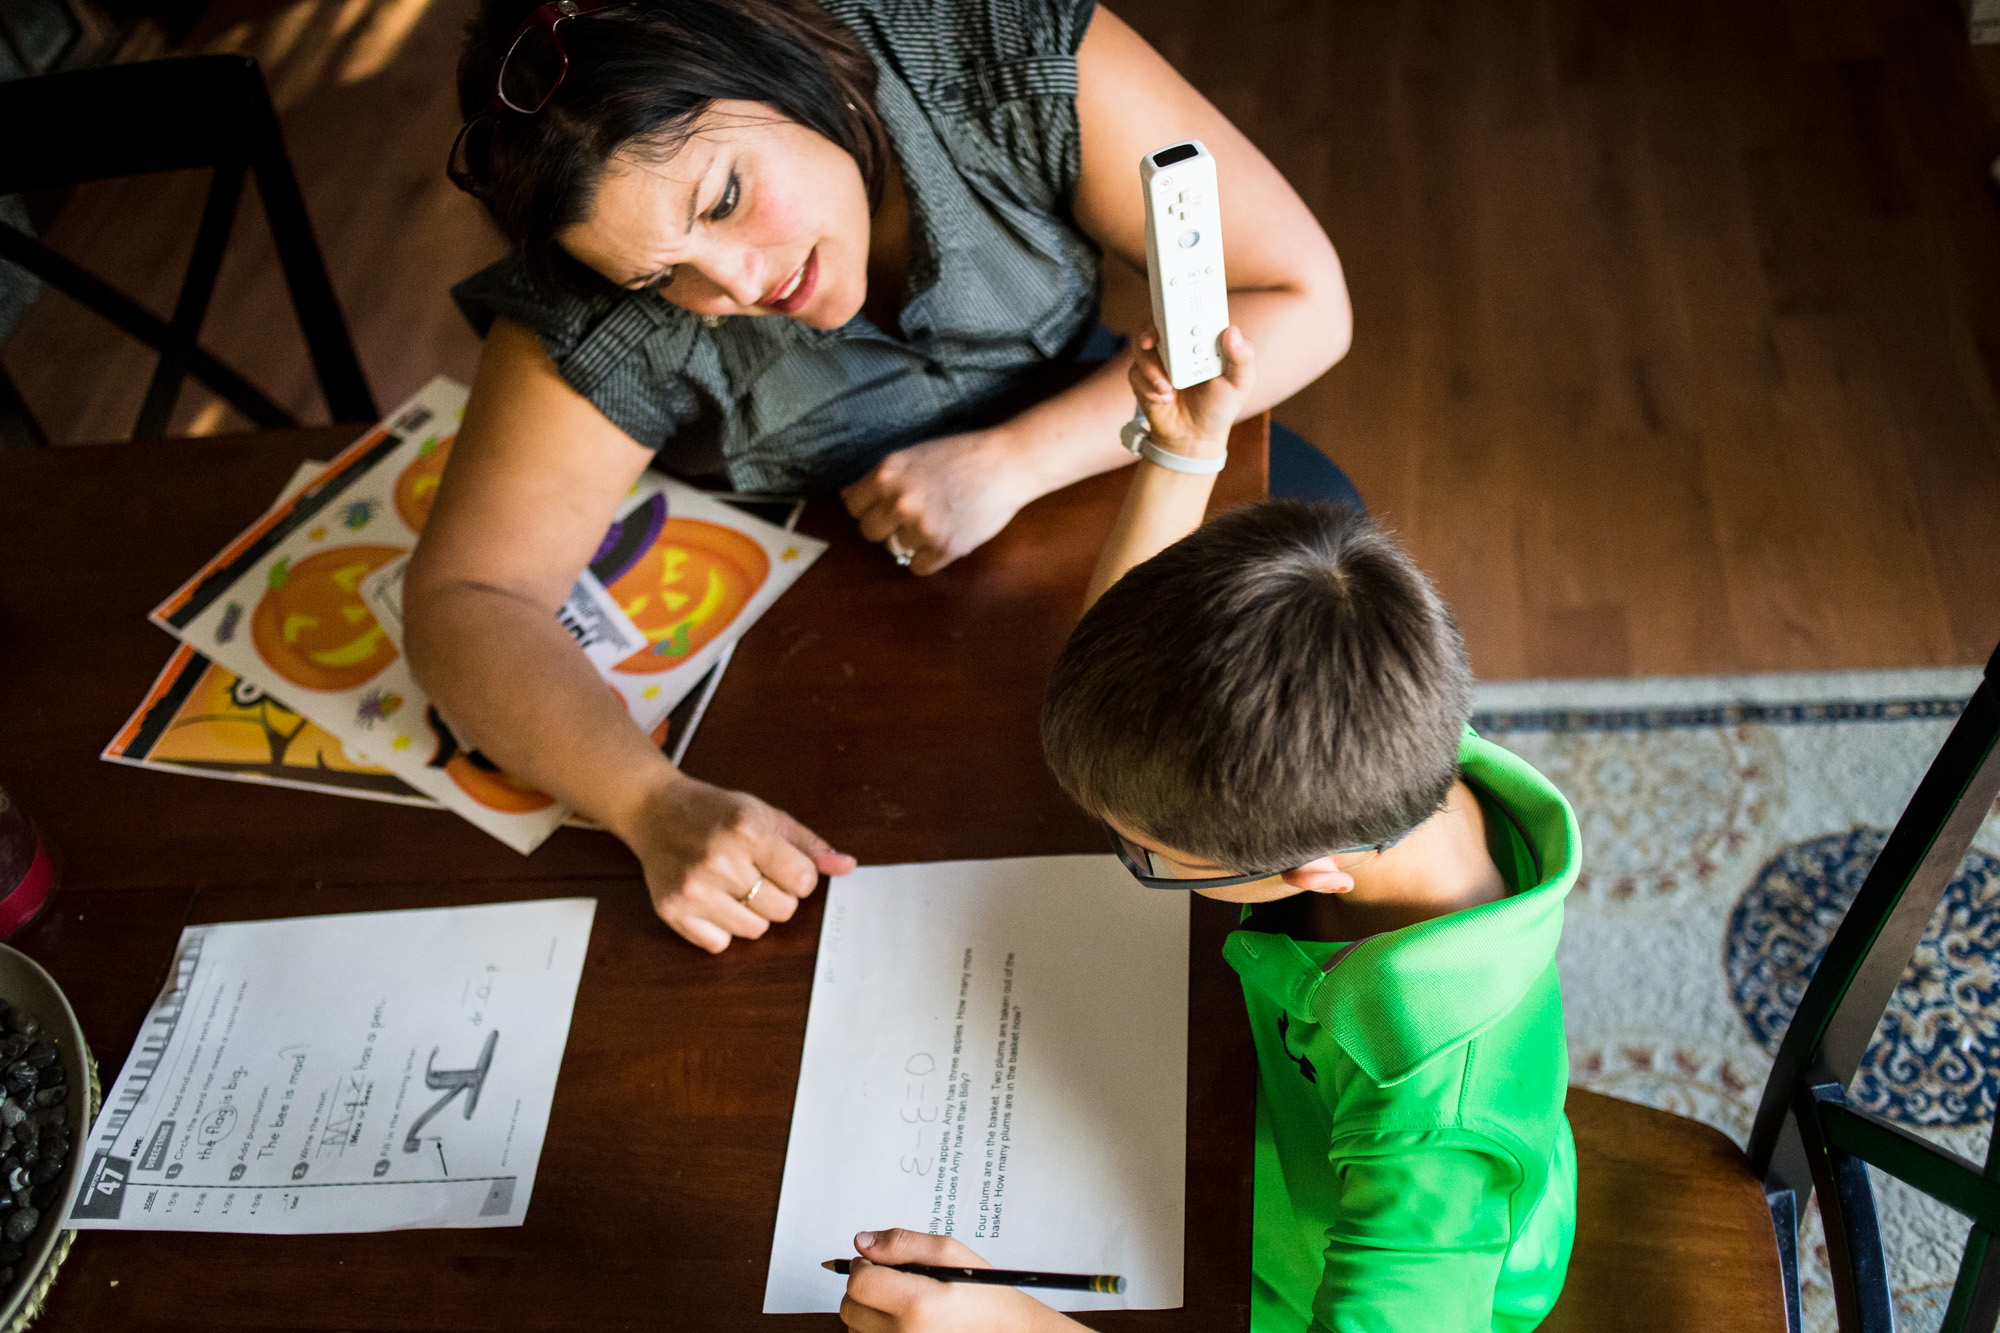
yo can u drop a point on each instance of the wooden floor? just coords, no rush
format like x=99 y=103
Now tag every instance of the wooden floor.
x=1677 y=326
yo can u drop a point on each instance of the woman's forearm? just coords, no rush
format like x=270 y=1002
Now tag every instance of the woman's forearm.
x=512 y=682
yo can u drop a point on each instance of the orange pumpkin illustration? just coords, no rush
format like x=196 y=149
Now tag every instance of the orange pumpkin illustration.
x=311 y=624
x=479 y=777
x=495 y=789
x=686 y=588
x=416 y=489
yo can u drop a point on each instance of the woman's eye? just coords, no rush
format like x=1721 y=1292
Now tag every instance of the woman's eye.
x=658 y=282
x=727 y=204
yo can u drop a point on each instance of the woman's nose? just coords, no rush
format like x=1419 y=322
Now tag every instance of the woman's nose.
x=740 y=274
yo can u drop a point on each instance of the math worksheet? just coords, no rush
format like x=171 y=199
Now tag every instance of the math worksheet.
x=997 y=1051
x=363 y=1072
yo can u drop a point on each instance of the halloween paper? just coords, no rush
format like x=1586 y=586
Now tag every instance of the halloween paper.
x=203 y=720
x=282 y=608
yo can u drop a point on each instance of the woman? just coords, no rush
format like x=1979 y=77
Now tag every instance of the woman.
x=785 y=245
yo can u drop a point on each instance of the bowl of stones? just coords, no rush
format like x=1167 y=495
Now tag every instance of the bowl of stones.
x=48 y=1093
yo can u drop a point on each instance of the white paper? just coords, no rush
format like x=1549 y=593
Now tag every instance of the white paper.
x=382 y=592
x=364 y=1072
x=598 y=624
x=997 y=1050
x=282 y=607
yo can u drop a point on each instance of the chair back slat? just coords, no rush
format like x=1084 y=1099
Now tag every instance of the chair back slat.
x=1867 y=956
x=133 y=120
x=171 y=115
x=81 y=284
x=1860 y=1271
x=1806 y=1138
x=1975 y=1297
x=225 y=191
x=1938 y=1172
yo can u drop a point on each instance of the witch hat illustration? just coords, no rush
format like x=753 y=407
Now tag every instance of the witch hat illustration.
x=628 y=539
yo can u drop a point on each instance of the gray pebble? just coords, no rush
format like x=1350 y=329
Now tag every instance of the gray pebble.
x=23 y=1223
x=41 y=1055
x=12 y=1113
x=45 y=1170
x=51 y=1096
x=23 y=1023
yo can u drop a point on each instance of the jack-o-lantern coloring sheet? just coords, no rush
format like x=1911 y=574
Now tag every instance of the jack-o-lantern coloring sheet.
x=292 y=606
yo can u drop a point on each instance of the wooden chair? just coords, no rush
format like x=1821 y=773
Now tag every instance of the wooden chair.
x=1679 y=1230
x=171 y=115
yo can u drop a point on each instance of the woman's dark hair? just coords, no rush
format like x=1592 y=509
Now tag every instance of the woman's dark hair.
x=640 y=75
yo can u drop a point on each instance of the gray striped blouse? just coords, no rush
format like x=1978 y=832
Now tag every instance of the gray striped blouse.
x=979 y=99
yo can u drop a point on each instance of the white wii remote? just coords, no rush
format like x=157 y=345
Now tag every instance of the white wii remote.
x=1184 y=260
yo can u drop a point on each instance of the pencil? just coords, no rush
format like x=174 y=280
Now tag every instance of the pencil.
x=998 y=1277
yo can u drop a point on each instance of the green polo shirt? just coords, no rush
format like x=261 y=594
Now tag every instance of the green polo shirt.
x=1414 y=1168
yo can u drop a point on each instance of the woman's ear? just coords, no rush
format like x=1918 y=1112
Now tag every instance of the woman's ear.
x=1321 y=876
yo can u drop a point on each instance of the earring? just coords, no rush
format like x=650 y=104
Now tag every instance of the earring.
x=712 y=321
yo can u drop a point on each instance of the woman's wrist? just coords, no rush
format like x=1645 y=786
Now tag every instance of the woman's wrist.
x=639 y=800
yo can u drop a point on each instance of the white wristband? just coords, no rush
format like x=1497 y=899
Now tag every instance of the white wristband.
x=1206 y=467
x=1134 y=436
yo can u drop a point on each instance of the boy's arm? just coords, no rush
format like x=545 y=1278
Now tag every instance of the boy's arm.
x=1423 y=1229
x=1162 y=506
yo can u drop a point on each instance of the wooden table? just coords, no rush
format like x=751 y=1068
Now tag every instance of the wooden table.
x=895 y=715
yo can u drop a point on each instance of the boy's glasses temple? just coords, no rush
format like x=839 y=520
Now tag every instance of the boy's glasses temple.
x=1137 y=860
x=515 y=86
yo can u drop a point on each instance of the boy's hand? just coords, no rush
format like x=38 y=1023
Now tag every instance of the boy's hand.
x=1194 y=421
x=881 y=1300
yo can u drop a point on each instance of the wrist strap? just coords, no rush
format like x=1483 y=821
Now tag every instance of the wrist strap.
x=1201 y=467
x=1135 y=436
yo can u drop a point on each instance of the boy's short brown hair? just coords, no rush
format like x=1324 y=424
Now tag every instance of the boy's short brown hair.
x=1280 y=682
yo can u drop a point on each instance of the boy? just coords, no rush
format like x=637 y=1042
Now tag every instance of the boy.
x=1271 y=711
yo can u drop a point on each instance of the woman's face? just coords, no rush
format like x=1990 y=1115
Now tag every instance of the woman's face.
x=753 y=215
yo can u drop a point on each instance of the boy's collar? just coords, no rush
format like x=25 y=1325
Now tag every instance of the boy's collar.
x=1399 y=999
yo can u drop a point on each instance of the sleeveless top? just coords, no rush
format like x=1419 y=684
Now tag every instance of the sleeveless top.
x=979 y=101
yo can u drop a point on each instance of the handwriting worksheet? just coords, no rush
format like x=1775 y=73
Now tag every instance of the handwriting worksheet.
x=363 y=1072
x=997 y=1051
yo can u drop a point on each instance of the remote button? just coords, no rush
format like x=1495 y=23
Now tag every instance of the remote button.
x=1194 y=197
x=1164 y=182
x=1190 y=239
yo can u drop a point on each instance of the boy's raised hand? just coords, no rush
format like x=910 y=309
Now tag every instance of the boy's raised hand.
x=881 y=1300
x=1195 y=420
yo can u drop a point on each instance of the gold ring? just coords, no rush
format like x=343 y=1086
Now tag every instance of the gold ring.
x=745 y=899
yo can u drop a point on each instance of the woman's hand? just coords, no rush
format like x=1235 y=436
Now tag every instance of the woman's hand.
x=881 y=1300
x=723 y=863
x=940 y=499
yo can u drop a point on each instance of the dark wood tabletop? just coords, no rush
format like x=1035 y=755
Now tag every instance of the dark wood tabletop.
x=894 y=715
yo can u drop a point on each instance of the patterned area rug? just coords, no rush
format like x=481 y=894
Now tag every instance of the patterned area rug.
x=1727 y=823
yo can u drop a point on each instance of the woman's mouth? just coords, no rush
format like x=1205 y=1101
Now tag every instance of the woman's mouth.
x=796 y=290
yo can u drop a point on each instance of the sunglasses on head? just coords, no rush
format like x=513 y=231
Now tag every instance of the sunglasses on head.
x=1155 y=872
x=530 y=73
